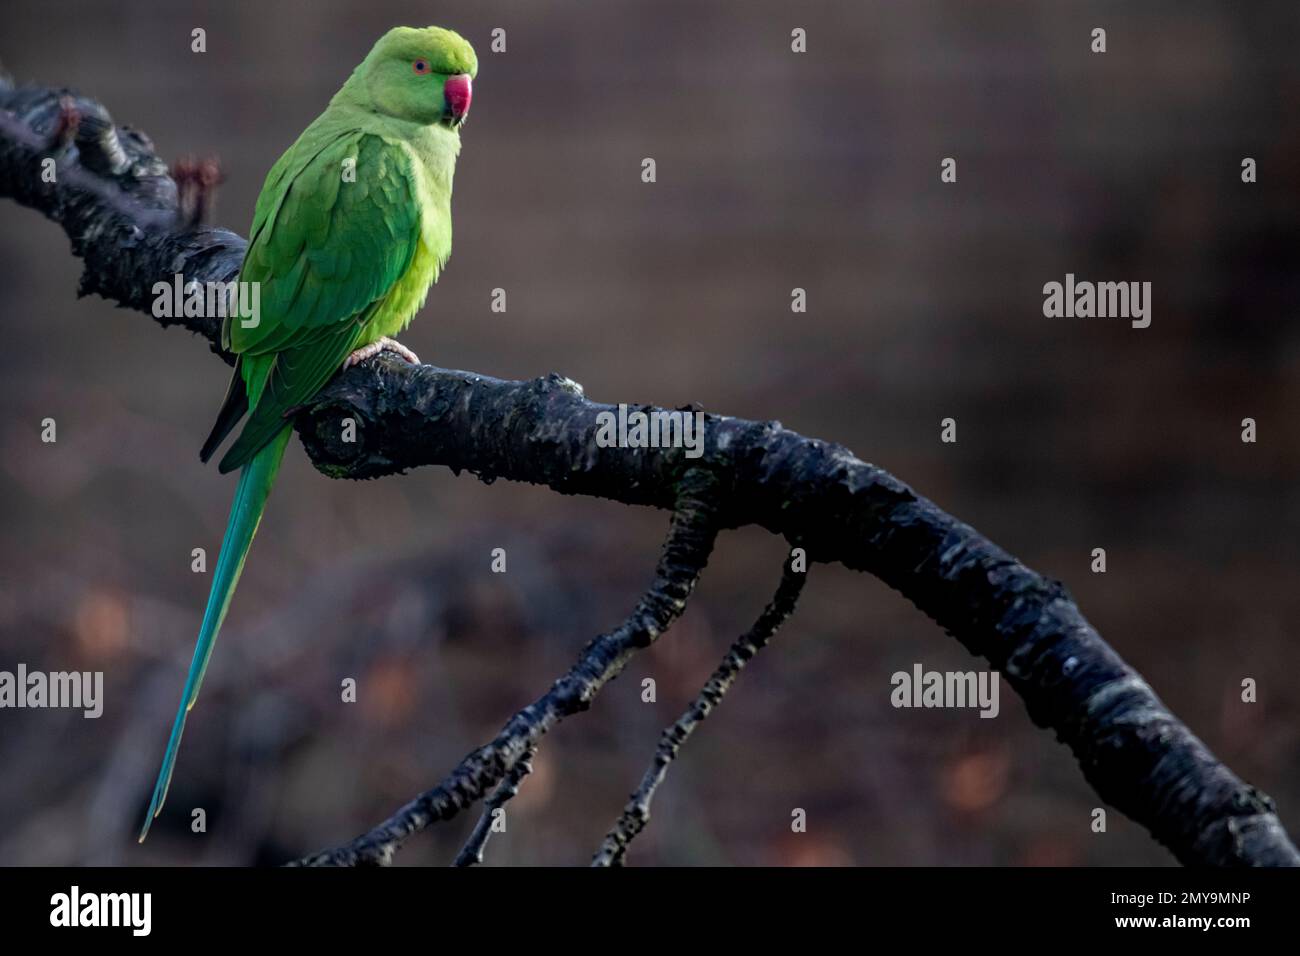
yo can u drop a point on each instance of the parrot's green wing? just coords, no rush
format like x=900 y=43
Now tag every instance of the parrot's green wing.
x=350 y=229
x=336 y=227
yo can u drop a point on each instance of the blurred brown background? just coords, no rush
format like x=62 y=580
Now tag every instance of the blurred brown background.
x=775 y=170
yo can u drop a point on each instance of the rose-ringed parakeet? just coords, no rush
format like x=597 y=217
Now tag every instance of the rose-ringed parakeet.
x=351 y=228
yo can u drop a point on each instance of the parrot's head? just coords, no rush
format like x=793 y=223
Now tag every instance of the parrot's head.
x=422 y=76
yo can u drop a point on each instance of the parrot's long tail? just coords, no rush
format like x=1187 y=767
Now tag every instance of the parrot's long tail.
x=255 y=481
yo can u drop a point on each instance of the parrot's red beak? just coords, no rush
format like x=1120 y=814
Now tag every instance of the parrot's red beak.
x=459 y=92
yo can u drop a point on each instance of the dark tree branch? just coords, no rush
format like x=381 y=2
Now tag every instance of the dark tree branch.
x=685 y=553
x=637 y=812
x=471 y=854
x=118 y=206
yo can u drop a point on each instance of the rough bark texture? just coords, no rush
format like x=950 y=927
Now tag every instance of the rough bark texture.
x=685 y=553
x=132 y=226
x=636 y=814
x=471 y=854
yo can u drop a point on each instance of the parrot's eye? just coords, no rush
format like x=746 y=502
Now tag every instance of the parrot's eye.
x=420 y=66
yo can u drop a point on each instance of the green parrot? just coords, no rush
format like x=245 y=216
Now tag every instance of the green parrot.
x=352 y=226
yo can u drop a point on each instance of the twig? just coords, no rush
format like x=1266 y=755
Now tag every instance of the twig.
x=119 y=208
x=471 y=854
x=637 y=812
x=685 y=553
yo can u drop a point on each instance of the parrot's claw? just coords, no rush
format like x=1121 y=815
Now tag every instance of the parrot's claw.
x=380 y=345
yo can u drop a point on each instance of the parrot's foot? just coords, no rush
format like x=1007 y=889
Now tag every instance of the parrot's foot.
x=380 y=345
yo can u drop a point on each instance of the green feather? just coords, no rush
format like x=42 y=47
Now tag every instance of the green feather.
x=245 y=513
x=352 y=226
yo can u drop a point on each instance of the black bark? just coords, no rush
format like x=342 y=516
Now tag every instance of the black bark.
x=685 y=552
x=635 y=816
x=133 y=227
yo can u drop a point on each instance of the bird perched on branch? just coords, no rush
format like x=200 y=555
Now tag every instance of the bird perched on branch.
x=352 y=226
